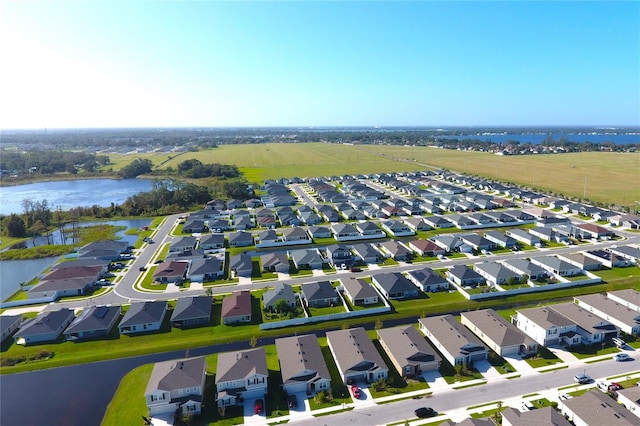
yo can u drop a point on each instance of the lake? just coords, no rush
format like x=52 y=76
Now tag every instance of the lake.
x=13 y=272
x=72 y=193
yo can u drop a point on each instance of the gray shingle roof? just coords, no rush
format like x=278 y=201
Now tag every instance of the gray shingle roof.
x=240 y=365
x=192 y=307
x=144 y=313
x=177 y=374
x=301 y=359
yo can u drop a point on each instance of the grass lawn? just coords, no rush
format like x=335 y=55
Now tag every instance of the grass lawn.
x=123 y=409
x=543 y=358
x=316 y=312
x=586 y=351
x=450 y=375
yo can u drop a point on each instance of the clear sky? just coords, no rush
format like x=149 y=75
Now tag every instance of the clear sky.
x=300 y=63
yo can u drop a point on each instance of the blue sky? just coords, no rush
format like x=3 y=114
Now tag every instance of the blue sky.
x=300 y=63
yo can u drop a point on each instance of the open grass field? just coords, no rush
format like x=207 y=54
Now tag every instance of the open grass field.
x=610 y=178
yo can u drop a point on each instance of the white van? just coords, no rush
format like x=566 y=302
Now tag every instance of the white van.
x=619 y=342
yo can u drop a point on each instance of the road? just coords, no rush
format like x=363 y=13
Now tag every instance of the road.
x=449 y=400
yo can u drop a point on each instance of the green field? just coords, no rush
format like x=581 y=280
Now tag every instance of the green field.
x=609 y=178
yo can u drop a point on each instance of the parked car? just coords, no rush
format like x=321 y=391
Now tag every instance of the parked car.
x=424 y=412
x=582 y=379
x=527 y=406
x=142 y=268
x=356 y=269
x=622 y=357
x=355 y=391
x=258 y=407
x=564 y=397
x=292 y=401
x=159 y=261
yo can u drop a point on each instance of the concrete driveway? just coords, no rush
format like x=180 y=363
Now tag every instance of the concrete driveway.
x=518 y=363
x=486 y=369
x=566 y=356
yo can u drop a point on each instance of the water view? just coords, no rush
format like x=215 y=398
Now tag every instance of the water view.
x=72 y=193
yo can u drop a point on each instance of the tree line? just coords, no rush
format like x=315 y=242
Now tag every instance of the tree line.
x=43 y=162
x=166 y=197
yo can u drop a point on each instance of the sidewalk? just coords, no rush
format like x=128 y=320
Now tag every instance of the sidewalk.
x=438 y=385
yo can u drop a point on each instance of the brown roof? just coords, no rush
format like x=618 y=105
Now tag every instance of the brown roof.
x=239 y=303
x=73 y=272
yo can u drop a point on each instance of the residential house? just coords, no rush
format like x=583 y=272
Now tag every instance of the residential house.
x=280 y=291
x=630 y=399
x=477 y=242
x=241 y=265
x=236 y=308
x=176 y=385
x=626 y=319
x=450 y=243
x=338 y=255
x=426 y=248
x=464 y=276
x=366 y=252
x=46 y=327
x=547 y=326
x=408 y=351
x=369 y=229
x=523 y=236
x=9 y=324
x=69 y=281
x=218 y=226
x=455 y=342
x=296 y=234
x=394 y=285
x=95 y=321
x=302 y=365
x=395 y=250
x=496 y=273
x=608 y=258
x=628 y=252
x=240 y=239
x=344 y=232
x=417 y=223
x=524 y=267
x=359 y=291
x=208 y=269
x=192 y=311
x=319 y=232
x=629 y=298
x=143 y=316
x=267 y=237
x=438 y=222
x=428 y=280
x=591 y=328
x=498 y=334
x=356 y=357
x=211 y=241
x=307 y=258
x=581 y=261
x=319 y=294
x=275 y=262
x=596 y=408
x=397 y=228
x=193 y=225
x=171 y=272
x=183 y=243
x=541 y=416
x=590 y=230
x=240 y=376
x=556 y=266
x=500 y=239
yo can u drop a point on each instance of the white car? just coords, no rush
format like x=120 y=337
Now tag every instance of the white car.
x=564 y=396
x=622 y=357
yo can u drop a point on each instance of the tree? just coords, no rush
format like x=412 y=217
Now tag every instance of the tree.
x=14 y=226
x=281 y=306
x=253 y=341
x=379 y=324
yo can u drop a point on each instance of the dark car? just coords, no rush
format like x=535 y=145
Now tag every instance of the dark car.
x=142 y=269
x=356 y=269
x=292 y=401
x=424 y=412
x=159 y=261
x=258 y=406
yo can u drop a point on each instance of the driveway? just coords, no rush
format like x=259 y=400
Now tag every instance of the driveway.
x=518 y=363
x=434 y=379
x=250 y=417
x=566 y=356
x=365 y=397
x=303 y=410
x=486 y=369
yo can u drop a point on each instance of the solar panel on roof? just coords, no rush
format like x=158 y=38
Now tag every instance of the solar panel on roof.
x=101 y=311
